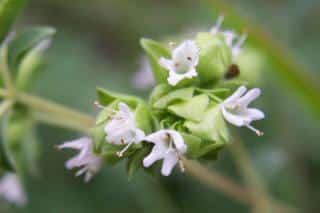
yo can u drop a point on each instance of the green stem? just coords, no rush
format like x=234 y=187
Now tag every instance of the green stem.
x=55 y=114
x=52 y=113
x=5 y=106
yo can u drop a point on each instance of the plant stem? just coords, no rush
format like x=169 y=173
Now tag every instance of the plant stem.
x=55 y=114
x=247 y=170
x=60 y=111
x=216 y=181
x=5 y=106
x=4 y=71
x=52 y=113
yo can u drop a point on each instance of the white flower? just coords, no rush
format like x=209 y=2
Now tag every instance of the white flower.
x=143 y=78
x=121 y=129
x=11 y=189
x=235 y=108
x=89 y=162
x=169 y=146
x=182 y=65
x=229 y=37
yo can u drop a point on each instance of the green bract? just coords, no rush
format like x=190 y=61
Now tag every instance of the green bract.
x=215 y=58
x=192 y=107
x=143 y=120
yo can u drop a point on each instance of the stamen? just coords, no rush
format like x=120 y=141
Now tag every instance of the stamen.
x=120 y=154
x=241 y=40
x=216 y=27
x=181 y=164
x=97 y=105
x=172 y=44
x=258 y=132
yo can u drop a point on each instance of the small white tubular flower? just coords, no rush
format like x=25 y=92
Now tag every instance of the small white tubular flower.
x=185 y=58
x=121 y=129
x=169 y=146
x=229 y=37
x=12 y=190
x=143 y=78
x=86 y=160
x=235 y=108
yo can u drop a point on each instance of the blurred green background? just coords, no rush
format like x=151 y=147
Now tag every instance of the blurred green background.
x=97 y=44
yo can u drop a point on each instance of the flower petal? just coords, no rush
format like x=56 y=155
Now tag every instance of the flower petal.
x=236 y=95
x=75 y=144
x=166 y=63
x=169 y=162
x=233 y=118
x=256 y=114
x=249 y=97
x=152 y=157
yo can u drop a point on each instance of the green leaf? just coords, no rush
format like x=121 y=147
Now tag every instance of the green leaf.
x=9 y=9
x=215 y=58
x=135 y=162
x=212 y=127
x=159 y=91
x=210 y=150
x=30 y=65
x=192 y=109
x=106 y=98
x=143 y=118
x=154 y=51
x=98 y=136
x=24 y=42
x=19 y=141
x=193 y=143
x=176 y=95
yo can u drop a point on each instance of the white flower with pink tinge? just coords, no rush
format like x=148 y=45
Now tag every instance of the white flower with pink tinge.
x=185 y=58
x=89 y=163
x=169 y=146
x=12 y=190
x=235 y=108
x=121 y=129
x=229 y=37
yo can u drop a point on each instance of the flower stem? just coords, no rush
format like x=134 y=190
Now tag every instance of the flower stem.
x=50 y=112
x=5 y=106
x=56 y=114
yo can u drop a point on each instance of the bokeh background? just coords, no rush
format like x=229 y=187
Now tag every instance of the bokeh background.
x=97 y=44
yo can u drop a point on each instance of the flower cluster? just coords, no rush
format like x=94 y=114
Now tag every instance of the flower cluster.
x=187 y=112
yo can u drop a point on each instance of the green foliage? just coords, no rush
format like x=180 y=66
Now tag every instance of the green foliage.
x=155 y=51
x=9 y=9
x=215 y=58
x=24 y=42
x=20 y=144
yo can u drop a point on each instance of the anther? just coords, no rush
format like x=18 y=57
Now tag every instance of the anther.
x=258 y=132
x=120 y=154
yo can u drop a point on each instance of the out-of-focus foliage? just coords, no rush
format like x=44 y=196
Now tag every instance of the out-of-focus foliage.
x=98 y=45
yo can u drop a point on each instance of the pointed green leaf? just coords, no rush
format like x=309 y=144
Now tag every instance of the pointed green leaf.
x=106 y=98
x=212 y=127
x=193 y=143
x=19 y=141
x=25 y=41
x=176 y=95
x=192 y=109
x=143 y=118
x=159 y=91
x=30 y=65
x=135 y=161
x=155 y=51
x=215 y=58
x=9 y=9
